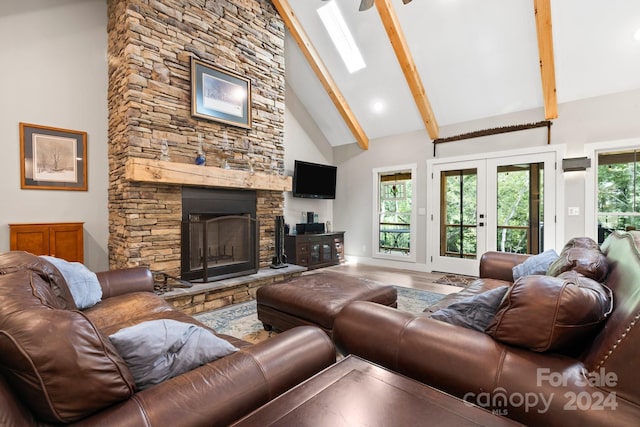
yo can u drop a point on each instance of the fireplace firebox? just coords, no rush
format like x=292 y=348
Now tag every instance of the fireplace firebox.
x=219 y=234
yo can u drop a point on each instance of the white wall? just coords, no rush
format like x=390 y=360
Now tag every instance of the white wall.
x=54 y=73
x=598 y=119
x=303 y=141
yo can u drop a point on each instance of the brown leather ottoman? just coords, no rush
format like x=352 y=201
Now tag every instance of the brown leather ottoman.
x=316 y=299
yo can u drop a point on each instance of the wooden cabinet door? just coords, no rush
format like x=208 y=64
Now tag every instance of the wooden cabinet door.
x=327 y=250
x=65 y=241
x=30 y=238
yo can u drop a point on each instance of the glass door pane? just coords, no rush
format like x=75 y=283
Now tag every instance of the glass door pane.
x=520 y=208
x=458 y=213
x=314 y=253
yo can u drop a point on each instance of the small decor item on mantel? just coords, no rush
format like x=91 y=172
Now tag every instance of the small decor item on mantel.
x=225 y=150
x=52 y=158
x=164 y=150
x=251 y=160
x=200 y=157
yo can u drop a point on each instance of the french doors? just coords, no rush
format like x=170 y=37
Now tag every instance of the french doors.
x=504 y=203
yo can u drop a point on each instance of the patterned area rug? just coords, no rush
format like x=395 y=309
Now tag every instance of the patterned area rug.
x=241 y=320
x=455 y=280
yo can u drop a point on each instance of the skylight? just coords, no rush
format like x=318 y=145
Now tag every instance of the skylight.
x=341 y=36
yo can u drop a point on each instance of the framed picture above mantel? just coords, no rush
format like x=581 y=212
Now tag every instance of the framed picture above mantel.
x=220 y=95
x=52 y=158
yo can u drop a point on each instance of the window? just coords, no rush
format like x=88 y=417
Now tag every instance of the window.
x=618 y=203
x=394 y=234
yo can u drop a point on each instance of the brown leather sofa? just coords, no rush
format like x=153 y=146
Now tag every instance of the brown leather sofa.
x=57 y=365
x=599 y=385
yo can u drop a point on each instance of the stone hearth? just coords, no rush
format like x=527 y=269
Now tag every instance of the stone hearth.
x=209 y=296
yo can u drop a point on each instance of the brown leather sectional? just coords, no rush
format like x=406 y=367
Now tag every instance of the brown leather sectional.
x=57 y=365
x=594 y=382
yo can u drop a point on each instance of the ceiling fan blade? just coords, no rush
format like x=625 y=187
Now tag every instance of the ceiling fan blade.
x=366 y=4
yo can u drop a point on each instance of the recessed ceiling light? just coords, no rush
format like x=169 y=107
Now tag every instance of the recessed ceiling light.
x=377 y=106
x=341 y=36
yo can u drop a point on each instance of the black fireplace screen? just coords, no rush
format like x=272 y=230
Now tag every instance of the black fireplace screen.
x=221 y=246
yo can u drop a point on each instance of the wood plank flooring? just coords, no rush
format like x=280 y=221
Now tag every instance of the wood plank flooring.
x=406 y=278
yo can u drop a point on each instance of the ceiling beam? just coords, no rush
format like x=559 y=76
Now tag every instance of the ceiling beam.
x=312 y=56
x=400 y=47
x=545 y=49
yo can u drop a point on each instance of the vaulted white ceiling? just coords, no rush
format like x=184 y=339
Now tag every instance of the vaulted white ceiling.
x=475 y=59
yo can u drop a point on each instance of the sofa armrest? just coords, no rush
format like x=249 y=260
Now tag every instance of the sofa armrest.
x=499 y=265
x=125 y=280
x=220 y=392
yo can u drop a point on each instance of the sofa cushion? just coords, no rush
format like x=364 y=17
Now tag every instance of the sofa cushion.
x=157 y=350
x=60 y=365
x=583 y=256
x=82 y=282
x=545 y=313
x=475 y=312
x=536 y=264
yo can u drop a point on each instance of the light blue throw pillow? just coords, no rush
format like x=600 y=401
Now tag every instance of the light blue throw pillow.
x=537 y=264
x=157 y=350
x=82 y=282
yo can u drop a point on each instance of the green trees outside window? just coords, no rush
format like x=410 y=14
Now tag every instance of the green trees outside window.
x=395 y=204
x=520 y=208
x=618 y=192
x=459 y=213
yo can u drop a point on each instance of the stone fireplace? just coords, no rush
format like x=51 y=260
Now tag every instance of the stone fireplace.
x=219 y=234
x=150 y=46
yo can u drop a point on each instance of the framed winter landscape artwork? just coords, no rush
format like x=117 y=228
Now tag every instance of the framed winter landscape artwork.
x=52 y=158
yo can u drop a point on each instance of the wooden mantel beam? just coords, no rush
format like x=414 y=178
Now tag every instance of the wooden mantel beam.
x=545 y=49
x=172 y=173
x=399 y=43
x=312 y=56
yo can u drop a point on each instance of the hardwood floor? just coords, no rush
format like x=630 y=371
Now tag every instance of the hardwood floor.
x=406 y=278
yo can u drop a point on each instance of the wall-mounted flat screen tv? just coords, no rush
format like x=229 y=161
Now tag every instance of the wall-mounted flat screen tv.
x=314 y=181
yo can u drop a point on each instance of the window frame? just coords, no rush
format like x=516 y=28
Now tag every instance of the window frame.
x=375 y=248
x=591 y=178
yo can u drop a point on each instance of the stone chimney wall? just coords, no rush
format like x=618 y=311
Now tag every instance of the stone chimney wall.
x=150 y=45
